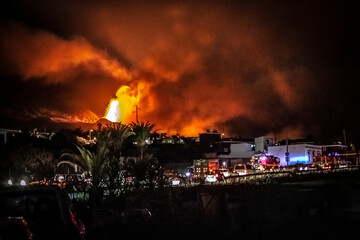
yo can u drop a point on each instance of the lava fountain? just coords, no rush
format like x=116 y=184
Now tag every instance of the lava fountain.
x=120 y=109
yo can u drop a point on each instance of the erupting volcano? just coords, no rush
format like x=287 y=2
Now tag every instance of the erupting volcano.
x=246 y=68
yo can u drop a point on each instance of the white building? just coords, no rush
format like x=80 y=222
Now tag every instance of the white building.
x=230 y=153
x=298 y=153
x=232 y=149
x=262 y=144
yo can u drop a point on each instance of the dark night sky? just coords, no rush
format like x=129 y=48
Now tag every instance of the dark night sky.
x=248 y=67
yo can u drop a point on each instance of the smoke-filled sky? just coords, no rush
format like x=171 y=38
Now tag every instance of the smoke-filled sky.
x=248 y=68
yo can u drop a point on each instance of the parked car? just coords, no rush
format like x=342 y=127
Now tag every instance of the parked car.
x=313 y=167
x=176 y=180
x=230 y=172
x=219 y=174
x=210 y=178
x=343 y=164
x=327 y=166
x=225 y=172
x=298 y=167
x=21 y=180
x=250 y=169
x=240 y=169
x=47 y=210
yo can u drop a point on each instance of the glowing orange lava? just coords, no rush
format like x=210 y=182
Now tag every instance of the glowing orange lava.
x=89 y=117
x=85 y=117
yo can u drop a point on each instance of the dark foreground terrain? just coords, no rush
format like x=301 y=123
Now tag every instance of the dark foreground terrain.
x=308 y=207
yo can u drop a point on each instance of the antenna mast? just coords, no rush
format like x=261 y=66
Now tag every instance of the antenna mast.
x=137 y=112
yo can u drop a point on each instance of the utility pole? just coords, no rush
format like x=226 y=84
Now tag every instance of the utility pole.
x=287 y=155
x=137 y=112
x=275 y=138
x=345 y=143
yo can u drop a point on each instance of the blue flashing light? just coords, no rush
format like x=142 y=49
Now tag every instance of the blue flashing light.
x=300 y=159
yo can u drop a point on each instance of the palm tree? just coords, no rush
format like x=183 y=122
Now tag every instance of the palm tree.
x=145 y=167
x=115 y=135
x=142 y=133
x=90 y=161
x=103 y=164
x=147 y=172
x=112 y=138
x=93 y=163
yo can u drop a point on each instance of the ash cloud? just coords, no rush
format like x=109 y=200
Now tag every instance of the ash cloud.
x=56 y=75
x=233 y=74
x=250 y=68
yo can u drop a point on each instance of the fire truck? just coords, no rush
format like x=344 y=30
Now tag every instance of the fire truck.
x=268 y=163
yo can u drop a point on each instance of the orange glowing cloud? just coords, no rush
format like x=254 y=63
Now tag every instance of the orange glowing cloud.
x=82 y=78
x=192 y=67
x=44 y=55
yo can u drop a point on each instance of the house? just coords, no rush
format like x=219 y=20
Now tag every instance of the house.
x=231 y=153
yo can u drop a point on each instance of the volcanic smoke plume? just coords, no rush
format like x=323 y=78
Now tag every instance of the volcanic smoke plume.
x=80 y=78
x=187 y=67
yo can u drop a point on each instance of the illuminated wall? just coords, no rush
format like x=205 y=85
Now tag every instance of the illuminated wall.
x=299 y=153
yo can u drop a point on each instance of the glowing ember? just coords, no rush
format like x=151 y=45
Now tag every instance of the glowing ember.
x=121 y=108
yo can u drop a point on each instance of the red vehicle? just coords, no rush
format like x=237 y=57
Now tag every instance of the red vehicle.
x=47 y=210
x=269 y=163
